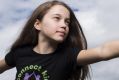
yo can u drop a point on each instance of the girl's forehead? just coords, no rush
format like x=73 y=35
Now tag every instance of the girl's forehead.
x=59 y=9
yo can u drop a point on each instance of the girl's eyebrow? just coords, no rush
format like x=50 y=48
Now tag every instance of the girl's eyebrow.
x=60 y=15
x=57 y=14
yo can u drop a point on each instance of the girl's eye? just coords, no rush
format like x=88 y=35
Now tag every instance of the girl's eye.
x=67 y=22
x=57 y=18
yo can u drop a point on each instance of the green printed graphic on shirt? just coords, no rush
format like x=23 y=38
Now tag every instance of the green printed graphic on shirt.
x=33 y=72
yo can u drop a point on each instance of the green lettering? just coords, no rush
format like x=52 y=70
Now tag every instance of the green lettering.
x=35 y=67
x=31 y=67
x=19 y=75
x=26 y=68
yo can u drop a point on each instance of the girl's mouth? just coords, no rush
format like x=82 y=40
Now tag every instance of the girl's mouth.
x=62 y=33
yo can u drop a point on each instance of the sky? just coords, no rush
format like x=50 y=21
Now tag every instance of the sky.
x=98 y=18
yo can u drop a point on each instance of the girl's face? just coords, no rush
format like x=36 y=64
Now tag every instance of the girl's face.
x=55 y=24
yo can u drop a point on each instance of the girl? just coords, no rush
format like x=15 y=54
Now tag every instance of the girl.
x=52 y=46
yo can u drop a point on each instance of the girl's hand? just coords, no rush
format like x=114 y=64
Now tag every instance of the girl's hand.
x=3 y=66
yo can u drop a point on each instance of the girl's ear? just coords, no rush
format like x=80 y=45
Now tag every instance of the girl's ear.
x=37 y=24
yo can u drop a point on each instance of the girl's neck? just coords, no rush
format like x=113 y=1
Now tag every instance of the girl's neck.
x=45 y=46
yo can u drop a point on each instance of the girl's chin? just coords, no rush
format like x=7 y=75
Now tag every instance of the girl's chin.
x=60 y=40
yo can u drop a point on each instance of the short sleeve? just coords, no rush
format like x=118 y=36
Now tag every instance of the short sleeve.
x=75 y=52
x=10 y=59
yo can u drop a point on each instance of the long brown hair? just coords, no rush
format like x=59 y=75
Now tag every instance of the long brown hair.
x=76 y=38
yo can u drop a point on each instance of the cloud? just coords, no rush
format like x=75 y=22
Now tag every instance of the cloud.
x=8 y=75
x=91 y=27
x=99 y=18
x=11 y=13
x=100 y=24
x=108 y=15
x=7 y=36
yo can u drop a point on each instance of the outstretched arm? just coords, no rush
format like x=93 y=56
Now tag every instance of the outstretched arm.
x=3 y=66
x=105 y=52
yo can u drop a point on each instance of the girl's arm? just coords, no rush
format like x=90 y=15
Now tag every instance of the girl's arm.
x=105 y=52
x=3 y=66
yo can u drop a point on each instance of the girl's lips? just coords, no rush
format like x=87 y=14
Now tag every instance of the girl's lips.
x=62 y=33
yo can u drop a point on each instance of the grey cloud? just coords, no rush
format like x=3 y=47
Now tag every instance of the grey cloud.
x=12 y=12
x=106 y=18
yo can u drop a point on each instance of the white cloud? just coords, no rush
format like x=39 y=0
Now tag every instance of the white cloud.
x=7 y=36
x=8 y=75
x=91 y=27
x=104 y=20
x=100 y=23
x=12 y=12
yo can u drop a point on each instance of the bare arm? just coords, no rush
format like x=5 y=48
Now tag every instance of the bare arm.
x=3 y=66
x=105 y=52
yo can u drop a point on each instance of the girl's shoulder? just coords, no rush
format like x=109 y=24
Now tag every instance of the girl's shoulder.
x=20 y=50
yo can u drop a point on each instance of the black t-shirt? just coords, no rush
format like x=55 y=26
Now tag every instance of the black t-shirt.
x=33 y=66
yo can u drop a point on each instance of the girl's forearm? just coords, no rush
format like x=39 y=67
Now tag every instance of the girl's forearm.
x=111 y=50
x=3 y=66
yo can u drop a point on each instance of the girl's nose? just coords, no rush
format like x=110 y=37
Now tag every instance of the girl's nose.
x=63 y=24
